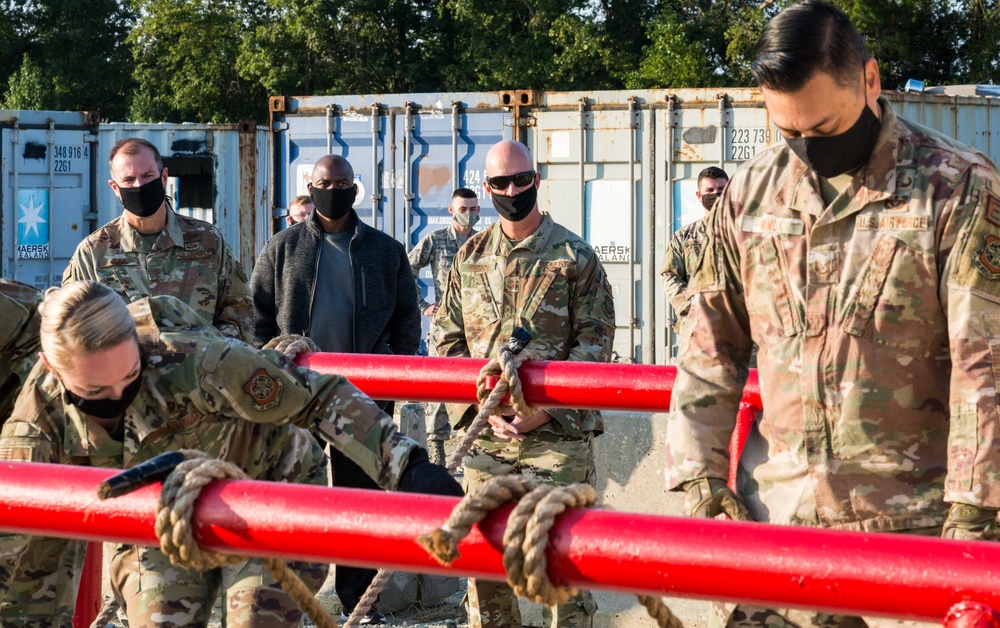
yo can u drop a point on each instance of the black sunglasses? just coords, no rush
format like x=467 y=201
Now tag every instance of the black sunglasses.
x=520 y=179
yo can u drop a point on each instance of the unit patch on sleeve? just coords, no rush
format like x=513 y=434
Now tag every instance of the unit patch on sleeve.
x=988 y=257
x=264 y=390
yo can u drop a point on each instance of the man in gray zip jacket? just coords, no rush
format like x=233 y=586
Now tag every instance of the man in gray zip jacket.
x=347 y=286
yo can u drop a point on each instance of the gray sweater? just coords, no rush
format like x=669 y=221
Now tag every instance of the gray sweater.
x=386 y=315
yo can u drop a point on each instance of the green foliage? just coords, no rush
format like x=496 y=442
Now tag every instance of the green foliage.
x=185 y=64
x=218 y=60
x=27 y=87
x=910 y=38
x=74 y=50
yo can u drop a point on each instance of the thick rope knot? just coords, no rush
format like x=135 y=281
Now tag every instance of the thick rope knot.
x=180 y=491
x=292 y=345
x=526 y=536
x=505 y=366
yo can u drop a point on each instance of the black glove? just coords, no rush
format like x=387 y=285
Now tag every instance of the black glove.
x=709 y=497
x=423 y=476
x=971 y=523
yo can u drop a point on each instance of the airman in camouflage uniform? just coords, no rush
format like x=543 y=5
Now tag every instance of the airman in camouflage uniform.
x=151 y=250
x=685 y=246
x=438 y=250
x=866 y=268
x=200 y=390
x=18 y=339
x=530 y=272
x=163 y=253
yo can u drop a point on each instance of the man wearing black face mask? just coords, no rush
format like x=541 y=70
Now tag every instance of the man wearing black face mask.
x=349 y=288
x=150 y=250
x=685 y=247
x=527 y=271
x=861 y=256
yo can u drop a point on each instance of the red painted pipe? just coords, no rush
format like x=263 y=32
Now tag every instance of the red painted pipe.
x=872 y=574
x=88 y=596
x=552 y=384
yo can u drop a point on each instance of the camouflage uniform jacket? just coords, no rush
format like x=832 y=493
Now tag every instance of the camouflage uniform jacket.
x=679 y=262
x=878 y=324
x=551 y=283
x=438 y=249
x=202 y=390
x=18 y=339
x=190 y=260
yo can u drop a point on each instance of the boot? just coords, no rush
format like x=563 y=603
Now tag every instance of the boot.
x=437 y=452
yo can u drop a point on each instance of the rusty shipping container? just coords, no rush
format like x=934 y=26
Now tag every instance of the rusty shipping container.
x=54 y=190
x=618 y=168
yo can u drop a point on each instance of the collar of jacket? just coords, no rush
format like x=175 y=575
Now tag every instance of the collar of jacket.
x=500 y=244
x=359 y=226
x=801 y=188
x=171 y=234
x=454 y=234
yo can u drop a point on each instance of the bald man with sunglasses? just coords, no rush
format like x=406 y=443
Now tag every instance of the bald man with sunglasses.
x=527 y=271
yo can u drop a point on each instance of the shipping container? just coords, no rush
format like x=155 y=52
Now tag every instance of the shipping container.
x=216 y=172
x=48 y=190
x=618 y=168
x=54 y=184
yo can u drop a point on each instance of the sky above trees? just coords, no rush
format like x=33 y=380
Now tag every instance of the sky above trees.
x=219 y=60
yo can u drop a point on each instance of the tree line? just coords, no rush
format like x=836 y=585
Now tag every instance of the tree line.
x=219 y=60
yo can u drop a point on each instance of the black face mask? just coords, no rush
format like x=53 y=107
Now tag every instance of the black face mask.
x=107 y=408
x=333 y=203
x=707 y=200
x=144 y=200
x=833 y=155
x=516 y=208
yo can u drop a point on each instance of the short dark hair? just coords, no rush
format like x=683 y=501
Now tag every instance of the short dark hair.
x=712 y=172
x=806 y=38
x=464 y=193
x=131 y=146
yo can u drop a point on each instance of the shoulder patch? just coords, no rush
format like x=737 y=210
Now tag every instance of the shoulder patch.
x=264 y=390
x=987 y=258
x=16 y=454
x=978 y=267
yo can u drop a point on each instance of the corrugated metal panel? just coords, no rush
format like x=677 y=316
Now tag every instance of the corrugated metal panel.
x=619 y=168
x=216 y=172
x=46 y=191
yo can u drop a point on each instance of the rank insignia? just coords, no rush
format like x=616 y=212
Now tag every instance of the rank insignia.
x=264 y=390
x=988 y=258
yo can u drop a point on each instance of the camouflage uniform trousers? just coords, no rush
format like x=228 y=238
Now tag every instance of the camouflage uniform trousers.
x=726 y=615
x=153 y=592
x=42 y=592
x=436 y=414
x=547 y=458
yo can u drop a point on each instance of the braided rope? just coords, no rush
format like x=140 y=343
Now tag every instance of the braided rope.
x=505 y=366
x=526 y=537
x=173 y=527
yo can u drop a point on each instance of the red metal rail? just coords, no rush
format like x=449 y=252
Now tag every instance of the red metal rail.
x=551 y=384
x=871 y=574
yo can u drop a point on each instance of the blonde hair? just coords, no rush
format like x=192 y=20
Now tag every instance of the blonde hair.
x=82 y=317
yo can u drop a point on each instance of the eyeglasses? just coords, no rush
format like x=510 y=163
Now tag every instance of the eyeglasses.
x=520 y=179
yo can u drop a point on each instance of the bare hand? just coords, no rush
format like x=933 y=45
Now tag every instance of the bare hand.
x=517 y=427
x=431 y=309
